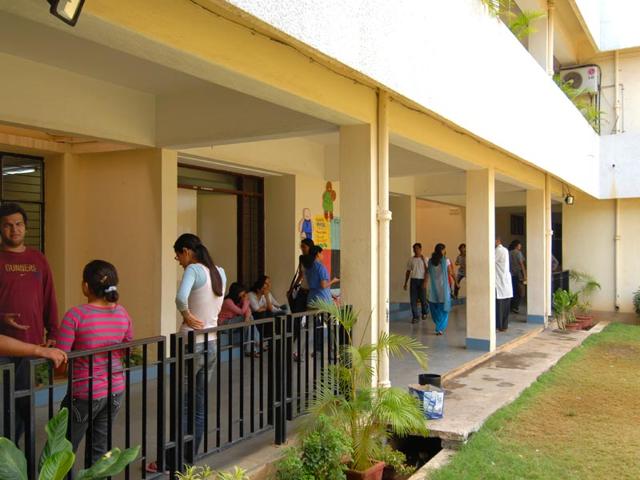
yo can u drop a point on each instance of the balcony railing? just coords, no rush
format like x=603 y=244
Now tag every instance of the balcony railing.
x=244 y=395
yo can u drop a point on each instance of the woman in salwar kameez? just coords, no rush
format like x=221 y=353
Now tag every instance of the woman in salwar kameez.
x=439 y=271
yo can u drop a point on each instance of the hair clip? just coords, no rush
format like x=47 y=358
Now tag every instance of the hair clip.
x=112 y=288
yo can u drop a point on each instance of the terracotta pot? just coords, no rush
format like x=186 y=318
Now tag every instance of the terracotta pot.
x=374 y=472
x=585 y=320
x=574 y=326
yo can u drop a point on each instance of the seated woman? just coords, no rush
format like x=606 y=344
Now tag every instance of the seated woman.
x=236 y=309
x=262 y=302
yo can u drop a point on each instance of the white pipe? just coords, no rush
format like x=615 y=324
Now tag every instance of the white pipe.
x=384 y=219
x=616 y=253
x=616 y=84
x=550 y=35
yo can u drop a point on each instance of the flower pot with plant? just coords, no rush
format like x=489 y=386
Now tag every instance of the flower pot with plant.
x=366 y=413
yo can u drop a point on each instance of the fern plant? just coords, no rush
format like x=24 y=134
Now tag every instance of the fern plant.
x=57 y=457
x=367 y=414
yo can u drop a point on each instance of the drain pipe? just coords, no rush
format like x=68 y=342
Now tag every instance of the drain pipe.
x=616 y=253
x=616 y=238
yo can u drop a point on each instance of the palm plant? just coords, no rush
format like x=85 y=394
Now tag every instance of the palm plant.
x=564 y=303
x=587 y=286
x=367 y=414
x=519 y=22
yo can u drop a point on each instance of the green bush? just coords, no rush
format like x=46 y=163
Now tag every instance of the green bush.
x=636 y=301
x=397 y=460
x=320 y=455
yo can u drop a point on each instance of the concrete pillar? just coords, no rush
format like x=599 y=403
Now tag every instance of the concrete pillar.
x=384 y=237
x=548 y=304
x=168 y=199
x=540 y=42
x=481 y=307
x=359 y=234
x=403 y=235
x=536 y=257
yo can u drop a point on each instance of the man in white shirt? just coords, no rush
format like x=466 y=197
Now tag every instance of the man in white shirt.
x=504 y=288
x=416 y=272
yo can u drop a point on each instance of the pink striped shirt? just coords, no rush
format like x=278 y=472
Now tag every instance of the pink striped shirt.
x=89 y=326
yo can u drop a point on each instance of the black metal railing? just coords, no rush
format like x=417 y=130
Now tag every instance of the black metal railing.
x=236 y=381
x=559 y=280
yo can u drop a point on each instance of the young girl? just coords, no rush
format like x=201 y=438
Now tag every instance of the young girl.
x=236 y=309
x=101 y=322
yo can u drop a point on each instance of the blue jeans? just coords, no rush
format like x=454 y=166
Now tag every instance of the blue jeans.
x=417 y=291
x=202 y=382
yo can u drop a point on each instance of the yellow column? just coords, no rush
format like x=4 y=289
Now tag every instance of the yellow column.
x=359 y=242
x=384 y=233
x=548 y=304
x=169 y=230
x=536 y=257
x=481 y=332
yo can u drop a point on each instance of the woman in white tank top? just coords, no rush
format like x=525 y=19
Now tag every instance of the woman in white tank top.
x=199 y=300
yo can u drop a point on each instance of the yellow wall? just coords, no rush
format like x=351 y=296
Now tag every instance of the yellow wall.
x=218 y=230
x=587 y=245
x=109 y=206
x=403 y=210
x=281 y=240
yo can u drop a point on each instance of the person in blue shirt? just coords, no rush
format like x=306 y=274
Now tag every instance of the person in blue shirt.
x=317 y=277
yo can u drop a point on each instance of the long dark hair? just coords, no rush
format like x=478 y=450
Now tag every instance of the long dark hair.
x=102 y=279
x=193 y=243
x=437 y=254
x=259 y=283
x=307 y=260
x=235 y=289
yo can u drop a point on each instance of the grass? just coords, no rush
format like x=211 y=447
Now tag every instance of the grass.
x=581 y=420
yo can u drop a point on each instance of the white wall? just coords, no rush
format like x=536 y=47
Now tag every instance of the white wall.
x=476 y=58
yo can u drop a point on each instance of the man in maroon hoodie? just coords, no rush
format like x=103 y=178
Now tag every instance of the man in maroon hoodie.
x=28 y=308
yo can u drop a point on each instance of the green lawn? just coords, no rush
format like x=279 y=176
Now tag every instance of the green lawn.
x=581 y=420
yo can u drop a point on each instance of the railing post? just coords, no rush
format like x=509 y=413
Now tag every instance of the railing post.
x=288 y=361
x=161 y=407
x=280 y=381
x=9 y=401
x=30 y=434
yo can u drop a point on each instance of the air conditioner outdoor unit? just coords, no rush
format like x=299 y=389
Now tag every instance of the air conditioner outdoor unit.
x=585 y=78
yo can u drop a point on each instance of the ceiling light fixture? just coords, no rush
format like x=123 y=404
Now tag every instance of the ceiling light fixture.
x=66 y=10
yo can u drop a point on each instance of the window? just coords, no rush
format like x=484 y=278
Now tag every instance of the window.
x=517 y=224
x=23 y=183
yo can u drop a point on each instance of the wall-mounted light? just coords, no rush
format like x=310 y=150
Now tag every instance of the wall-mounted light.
x=568 y=198
x=66 y=10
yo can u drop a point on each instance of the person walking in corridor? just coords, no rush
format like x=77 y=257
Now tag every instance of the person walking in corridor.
x=439 y=276
x=504 y=287
x=461 y=263
x=518 y=274
x=416 y=278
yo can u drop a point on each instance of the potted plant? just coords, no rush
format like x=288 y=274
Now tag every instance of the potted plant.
x=194 y=472
x=636 y=301
x=320 y=455
x=586 y=287
x=396 y=467
x=366 y=413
